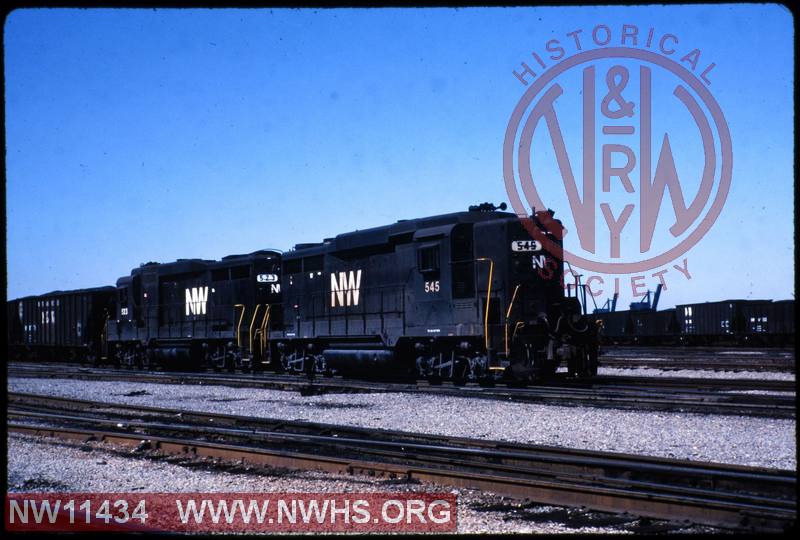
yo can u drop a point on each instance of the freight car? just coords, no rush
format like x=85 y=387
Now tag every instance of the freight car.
x=757 y=322
x=61 y=325
x=198 y=313
x=768 y=323
x=655 y=327
x=637 y=327
x=458 y=296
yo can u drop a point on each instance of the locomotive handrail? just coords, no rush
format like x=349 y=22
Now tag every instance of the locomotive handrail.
x=508 y=314
x=264 y=328
x=239 y=326
x=252 y=322
x=488 y=300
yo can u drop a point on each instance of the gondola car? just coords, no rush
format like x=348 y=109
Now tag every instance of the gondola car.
x=728 y=322
x=61 y=325
x=615 y=327
x=654 y=327
x=768 y=323
x=712 y=322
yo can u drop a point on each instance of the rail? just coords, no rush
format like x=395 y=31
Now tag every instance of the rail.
x=741 y=498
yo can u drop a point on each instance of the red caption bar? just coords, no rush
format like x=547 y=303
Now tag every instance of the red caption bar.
x=231 y=512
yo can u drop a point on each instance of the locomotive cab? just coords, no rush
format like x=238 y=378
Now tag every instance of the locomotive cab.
x=531 y=327
x=544 y=327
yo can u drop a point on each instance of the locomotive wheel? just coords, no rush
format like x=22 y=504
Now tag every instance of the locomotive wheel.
x=460 y=372
x=548 y=370
x=588 y=367
x=129 y=358
x=593 y=364
x=247 y=367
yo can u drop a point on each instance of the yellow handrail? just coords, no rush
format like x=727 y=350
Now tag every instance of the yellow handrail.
x=488 y=298
x=264 y=329
x=239 y=325
x=252 y=322
x=508 y=314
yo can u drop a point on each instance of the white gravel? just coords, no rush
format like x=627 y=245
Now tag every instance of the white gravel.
x=765 y=442
x=42 y=464
x=697 y=374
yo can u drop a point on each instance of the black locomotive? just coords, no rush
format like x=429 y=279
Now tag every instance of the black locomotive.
x=469 y=295
x=196 y=312
x=455 y=296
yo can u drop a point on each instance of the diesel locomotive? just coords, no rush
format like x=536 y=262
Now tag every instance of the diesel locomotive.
x=458 y=296
x=463 y=296
x=197 y=313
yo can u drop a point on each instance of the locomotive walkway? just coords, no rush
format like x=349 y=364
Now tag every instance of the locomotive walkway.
x=727 y=496
x=711 y=396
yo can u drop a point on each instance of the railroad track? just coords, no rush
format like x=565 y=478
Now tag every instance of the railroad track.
x=711 y=396
x=699 y=358
x=727 y=496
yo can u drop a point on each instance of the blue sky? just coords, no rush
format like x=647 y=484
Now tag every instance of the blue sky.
x=138 y=135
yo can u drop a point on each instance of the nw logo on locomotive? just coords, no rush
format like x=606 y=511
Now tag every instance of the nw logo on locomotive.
x=345 y=291
x=196 y=300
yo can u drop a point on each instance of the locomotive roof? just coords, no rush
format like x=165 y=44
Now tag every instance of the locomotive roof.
x=193 y=265
x=399 y=232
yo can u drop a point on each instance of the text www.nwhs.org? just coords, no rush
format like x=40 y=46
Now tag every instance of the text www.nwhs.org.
x=231 y=512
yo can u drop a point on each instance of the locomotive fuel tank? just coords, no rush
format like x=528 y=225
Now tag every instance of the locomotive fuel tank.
x=355 y=361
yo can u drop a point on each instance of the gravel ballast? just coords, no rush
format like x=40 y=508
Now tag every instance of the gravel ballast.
x=697 y=374
x=752 y=441
x=42 y=464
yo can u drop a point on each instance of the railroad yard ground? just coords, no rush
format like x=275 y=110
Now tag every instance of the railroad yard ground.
x=48 y=464
x=753 y=441
x=53 y=465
